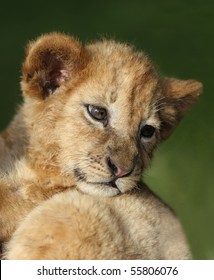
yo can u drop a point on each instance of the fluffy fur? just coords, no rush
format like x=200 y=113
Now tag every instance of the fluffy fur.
x=72 y=225
x=84 y=123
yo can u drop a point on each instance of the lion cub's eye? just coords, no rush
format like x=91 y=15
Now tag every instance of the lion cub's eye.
x=147 y=131
x=97 y=113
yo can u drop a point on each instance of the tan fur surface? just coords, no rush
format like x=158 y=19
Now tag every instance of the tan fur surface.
x=54 y=144
x=73 y=225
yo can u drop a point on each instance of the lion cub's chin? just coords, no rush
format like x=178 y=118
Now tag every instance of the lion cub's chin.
x=106 y=189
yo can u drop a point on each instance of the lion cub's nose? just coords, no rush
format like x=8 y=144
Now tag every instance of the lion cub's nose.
x=116 y=170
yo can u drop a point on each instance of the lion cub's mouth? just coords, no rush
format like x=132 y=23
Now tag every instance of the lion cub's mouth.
x=110 y=184
x=99 y=188
x=107 y=187
x=82 y=177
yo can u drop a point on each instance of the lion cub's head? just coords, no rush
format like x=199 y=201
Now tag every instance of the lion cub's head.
x=96 y=113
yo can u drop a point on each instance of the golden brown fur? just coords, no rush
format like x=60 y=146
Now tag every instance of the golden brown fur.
x=73 y=225
x=54 y=143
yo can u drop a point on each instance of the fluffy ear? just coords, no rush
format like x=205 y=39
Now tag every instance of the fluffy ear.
x=51 y=61
x=179 y=97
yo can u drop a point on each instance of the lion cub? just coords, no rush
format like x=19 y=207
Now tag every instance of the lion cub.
x=91 y=118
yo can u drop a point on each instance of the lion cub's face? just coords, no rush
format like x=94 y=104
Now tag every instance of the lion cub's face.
x=98 y=112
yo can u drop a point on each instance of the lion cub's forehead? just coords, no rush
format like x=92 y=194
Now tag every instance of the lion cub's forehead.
x=122 y=72
x=120 y=79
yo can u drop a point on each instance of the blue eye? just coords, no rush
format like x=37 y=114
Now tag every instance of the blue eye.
x=147 y=131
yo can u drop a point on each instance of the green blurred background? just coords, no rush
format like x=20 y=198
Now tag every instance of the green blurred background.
x=179 y=36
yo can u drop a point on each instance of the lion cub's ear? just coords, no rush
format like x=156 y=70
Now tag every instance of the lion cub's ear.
x=179 y=97
x=51 y=61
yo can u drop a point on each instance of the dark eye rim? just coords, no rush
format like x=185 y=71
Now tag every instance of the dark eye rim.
x=103 y=119
x=148 y=133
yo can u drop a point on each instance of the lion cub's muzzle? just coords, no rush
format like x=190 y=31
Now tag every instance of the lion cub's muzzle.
x=122 y=160
x=112 y=170
x=118 y=171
